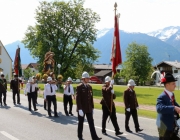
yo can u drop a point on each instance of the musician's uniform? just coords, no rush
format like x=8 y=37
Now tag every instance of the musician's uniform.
x=166 y=116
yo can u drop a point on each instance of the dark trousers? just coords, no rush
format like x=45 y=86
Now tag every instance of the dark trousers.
x=36 y=95
x=0 y=97
x=4 y=97
x=45 y=103
x=90 y=120
x=67 y=99
x=18 y=97
x=132 y=112
x=167 y=135
x=31 y=97
x=113 y=118
x=51 y=98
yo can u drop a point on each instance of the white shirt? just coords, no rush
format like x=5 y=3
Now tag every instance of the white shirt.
x=28 y=86
x=47 y=90
x=169 y=93
x=66 y=91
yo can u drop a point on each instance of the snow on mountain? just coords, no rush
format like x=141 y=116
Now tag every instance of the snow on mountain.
x=166 y=33
x=102 y=32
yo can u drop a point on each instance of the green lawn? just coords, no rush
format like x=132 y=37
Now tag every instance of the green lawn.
x=145 y=95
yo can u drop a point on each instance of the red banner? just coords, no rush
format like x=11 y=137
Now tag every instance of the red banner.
x=116 y=58
x=17 y=63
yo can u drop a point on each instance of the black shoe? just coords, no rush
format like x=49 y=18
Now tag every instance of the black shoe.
x=50 y=115
x=30 y=109
x=97 y=138
x=81 y=139
x=139 y=130
x=19 y=103
x=118 y=133
x=67 y=114
x=104 y=133
x=71 y=114
x=5 y=104
x=56 y=116
x=14 y=103
x=45 y=109
x=1 y=104
x=128 y=130
x=35 y=109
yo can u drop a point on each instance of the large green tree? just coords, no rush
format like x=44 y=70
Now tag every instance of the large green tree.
x=138 y=63
x=68 y=29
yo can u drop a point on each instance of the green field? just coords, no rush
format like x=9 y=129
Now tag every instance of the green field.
x=145 y=95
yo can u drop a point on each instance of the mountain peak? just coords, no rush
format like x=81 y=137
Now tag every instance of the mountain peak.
x=166 y=33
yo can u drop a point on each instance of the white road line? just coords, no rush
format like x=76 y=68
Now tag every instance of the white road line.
x=106 y=129
x=8 y=135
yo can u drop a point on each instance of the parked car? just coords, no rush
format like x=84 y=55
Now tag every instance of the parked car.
x=76 y=81
x=95 y=80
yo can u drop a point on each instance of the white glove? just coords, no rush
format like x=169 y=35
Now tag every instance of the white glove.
x=81 y=113
x=112 y=82
x=137 y=108
x=112 y=91
x=128 y=109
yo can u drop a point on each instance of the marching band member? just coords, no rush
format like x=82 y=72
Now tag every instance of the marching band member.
x=168 y=110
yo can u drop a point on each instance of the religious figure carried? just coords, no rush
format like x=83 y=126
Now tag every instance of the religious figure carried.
x=48 y=63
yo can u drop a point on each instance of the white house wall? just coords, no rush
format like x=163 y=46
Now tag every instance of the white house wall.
x=6 y=62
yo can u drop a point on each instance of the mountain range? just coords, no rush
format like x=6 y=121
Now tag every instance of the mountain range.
x=163 y=45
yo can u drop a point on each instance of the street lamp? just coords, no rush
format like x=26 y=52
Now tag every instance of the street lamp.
x=59 y=66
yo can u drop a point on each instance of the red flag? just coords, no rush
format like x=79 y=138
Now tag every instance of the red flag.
x=116 y=50
x=17 y=63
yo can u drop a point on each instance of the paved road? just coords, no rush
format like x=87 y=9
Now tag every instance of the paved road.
x=17 y=123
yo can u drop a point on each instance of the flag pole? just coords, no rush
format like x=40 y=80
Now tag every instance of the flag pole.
x=115 y=8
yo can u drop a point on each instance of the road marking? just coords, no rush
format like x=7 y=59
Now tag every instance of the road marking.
x=8 y=135
x=106 y=129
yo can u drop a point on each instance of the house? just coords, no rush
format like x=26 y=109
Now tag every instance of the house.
x=172 y=67
x=103 y=70
x=5 y=62
x=32 y=66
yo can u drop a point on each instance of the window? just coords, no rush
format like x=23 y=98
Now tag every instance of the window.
x=175 y=71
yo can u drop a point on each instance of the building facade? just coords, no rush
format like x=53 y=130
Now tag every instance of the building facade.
x=172 y=67
x=5 y=62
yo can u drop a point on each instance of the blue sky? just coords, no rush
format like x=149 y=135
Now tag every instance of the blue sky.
x=136 y=15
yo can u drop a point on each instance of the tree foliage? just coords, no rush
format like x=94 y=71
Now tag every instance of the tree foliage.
x=68 y=29
x=28 y=73
x=138 y=63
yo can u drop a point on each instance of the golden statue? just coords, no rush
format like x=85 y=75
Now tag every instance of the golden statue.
x=48 y=63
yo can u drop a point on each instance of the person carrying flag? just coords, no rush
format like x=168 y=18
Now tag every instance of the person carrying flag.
x=107 y=92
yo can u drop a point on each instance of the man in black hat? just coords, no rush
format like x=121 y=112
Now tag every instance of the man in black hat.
x=4 y=88
x=168 y=110
x=15 y=88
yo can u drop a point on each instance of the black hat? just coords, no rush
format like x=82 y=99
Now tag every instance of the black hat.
x=168 y=78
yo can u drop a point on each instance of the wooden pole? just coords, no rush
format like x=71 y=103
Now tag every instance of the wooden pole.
x=115 y=8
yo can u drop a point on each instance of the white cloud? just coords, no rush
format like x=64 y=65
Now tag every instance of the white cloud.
x=136 y=15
